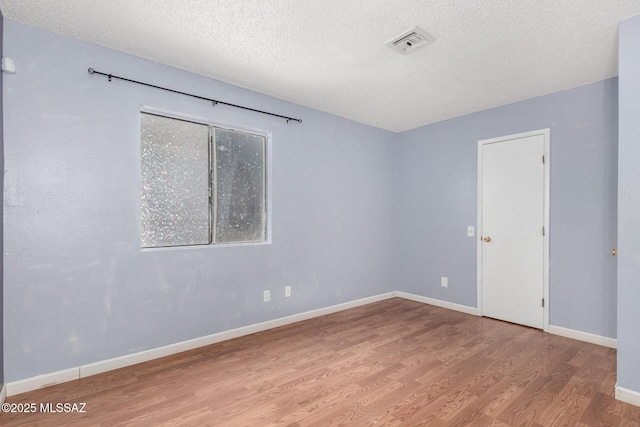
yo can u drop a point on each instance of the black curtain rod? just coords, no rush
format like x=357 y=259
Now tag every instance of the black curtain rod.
x=214 y=101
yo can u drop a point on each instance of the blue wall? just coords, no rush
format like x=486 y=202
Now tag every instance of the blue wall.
x=629 y=208
x=78 y=288
x=357 y=211
x=437 y=200
x=1 y=212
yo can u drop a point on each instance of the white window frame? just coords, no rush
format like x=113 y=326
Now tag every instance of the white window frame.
x=226 y=126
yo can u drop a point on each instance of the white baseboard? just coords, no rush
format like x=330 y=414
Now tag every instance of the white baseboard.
x=34 y=383
x=156 y=353
x=83 y=371
x=439 y=303
x=40 y=381
x=557 y=330
x=628 y=396
x=584 y=336
x=3 y=393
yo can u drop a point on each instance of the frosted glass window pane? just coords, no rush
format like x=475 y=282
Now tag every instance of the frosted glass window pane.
x=240 y=187
x=175 y=182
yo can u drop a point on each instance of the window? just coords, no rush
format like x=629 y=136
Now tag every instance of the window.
x=200 y=184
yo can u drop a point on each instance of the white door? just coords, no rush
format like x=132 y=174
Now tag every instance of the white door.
x=512 y=241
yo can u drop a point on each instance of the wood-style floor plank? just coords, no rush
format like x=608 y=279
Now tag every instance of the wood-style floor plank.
x=393 y=363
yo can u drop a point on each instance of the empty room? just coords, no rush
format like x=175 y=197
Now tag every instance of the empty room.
x=314 y=213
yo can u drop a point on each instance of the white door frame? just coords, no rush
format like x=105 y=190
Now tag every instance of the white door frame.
x=547 y=162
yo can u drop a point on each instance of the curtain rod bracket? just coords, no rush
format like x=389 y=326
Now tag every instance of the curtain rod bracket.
x=213 y=101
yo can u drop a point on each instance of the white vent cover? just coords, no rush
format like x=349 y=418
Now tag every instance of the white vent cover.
x=411 y=40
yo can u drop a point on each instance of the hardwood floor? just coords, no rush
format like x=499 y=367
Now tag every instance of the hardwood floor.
x=392 y=363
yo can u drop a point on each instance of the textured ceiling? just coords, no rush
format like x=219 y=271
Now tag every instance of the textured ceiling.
x=331 y=55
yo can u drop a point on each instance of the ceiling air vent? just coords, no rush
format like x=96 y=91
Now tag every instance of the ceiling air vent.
x=410 y=40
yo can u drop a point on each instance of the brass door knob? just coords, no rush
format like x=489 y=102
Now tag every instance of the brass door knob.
x=614 y=252
x=487 y=239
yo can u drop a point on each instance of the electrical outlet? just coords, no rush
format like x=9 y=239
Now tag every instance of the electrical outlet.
x=287 y=291
x=444 y=282
x=267 y=295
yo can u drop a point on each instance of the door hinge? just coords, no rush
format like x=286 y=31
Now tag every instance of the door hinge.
x=542 y=302
x=543 y=233
x=543 y=159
